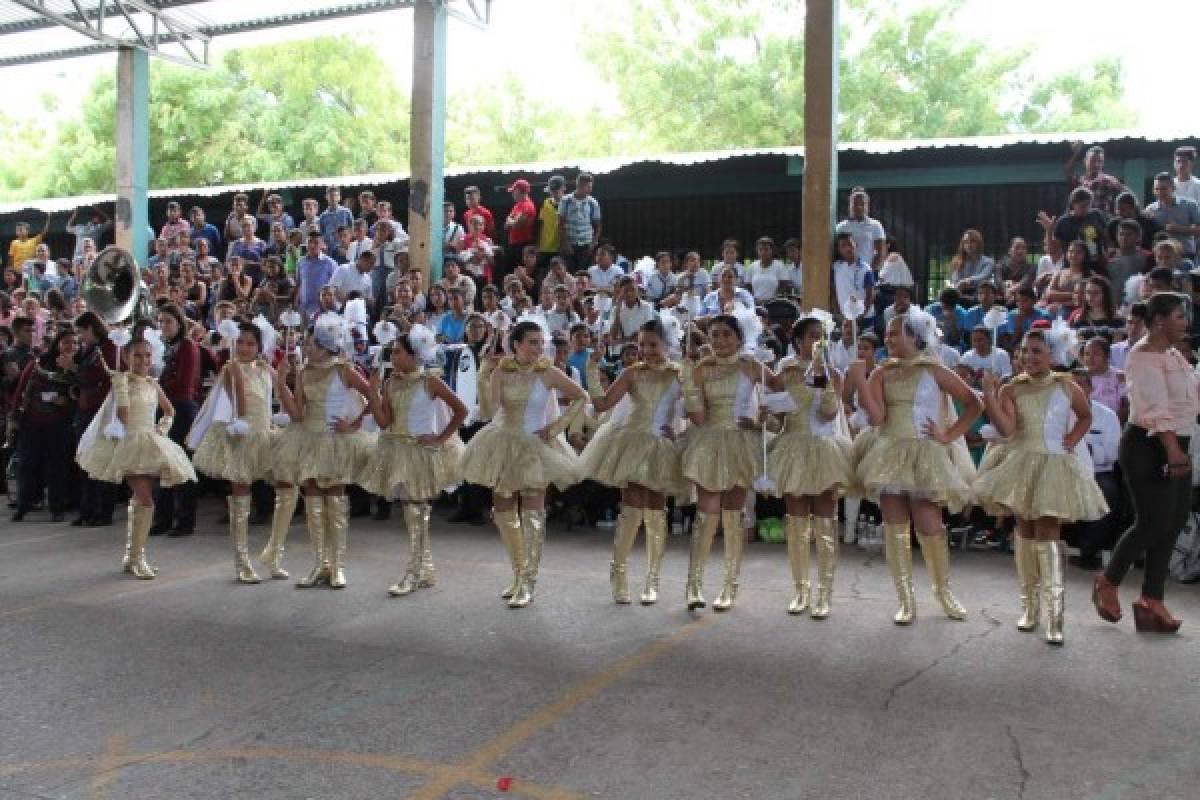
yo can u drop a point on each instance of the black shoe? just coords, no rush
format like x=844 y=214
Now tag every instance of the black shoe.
x=465 y=517
x=80 y=522
x=1090 y=563
x=57 y=516
x=181 y=531
x=17 y=516
x=159 y=528
x=98 y=522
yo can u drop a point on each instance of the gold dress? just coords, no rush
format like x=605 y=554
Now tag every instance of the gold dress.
x=142 y=450
x=811 y=455
x=309 y=449
x=247 y=457
x=506 y=455
x=1032 y=476
x=397 y=459
x=898 y=458
x=630 y=449
x=719 y=455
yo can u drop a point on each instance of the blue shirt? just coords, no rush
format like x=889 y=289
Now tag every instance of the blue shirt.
x=579 y=361
x=453 y=328
x=330 y=220
x=1182 y=212
x=313 y=274
x=960 y=322
x=974 y=317
x=209 y=232
x=1010 y=326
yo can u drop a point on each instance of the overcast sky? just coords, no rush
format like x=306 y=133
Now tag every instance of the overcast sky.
x=526 y=34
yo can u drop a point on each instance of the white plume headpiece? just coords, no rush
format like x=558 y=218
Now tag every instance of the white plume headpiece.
x=921 y=326
x=153 y=337
x=1063 y=341
x=120 y=337
x=355 y=312
x=995 y=317
x=290 y=318
x=423 y=342
x=828 y=323
x=385 y=332
x=751 y=327
x=332 y=333
x=540 y=320
x=269 y=336
x=229 y=331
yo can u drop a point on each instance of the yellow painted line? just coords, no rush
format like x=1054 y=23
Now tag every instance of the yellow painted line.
x=115 y=753
x=499 y=746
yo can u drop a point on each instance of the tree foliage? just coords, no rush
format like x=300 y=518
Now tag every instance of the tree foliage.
x=698 y=74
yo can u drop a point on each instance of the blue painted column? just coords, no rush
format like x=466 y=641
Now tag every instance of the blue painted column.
x=427 y=135
x=133 y=150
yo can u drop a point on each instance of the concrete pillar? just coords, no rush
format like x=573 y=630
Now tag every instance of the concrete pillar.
x=820 y=148
x=427 y=135
x=133 y=150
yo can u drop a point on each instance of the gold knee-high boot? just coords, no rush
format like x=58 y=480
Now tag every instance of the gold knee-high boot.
x=735 y=540
x=239 y=532
x=337 y=530
x=898 y=548
x=936 y=551
x=1025 y=556
x=314 y=515
x=533 y=537
x=656 y=543
x=628 y=522
x=413 y=521
x=826 y=537
x=799 y=537
x=509 y=524
x=704 y=530
x=1050 y=565
x=127 y=560
x=427 y=577
x=281 y=520
x=140 y=520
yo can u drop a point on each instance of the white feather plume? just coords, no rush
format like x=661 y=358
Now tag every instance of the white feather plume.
x=385 y=332
x=290 y=318
x=922 y=326
x=120 y=336
x=229 y=330
x=995 y=317
x=423 y=342
x=355 y=312
x=153 y=337
x=751 y=327
x=269 y=336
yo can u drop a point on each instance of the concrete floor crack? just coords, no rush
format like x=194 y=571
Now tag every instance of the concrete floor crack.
x=993 y=624
x=1016 y=751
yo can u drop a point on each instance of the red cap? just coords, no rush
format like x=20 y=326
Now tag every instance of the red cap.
x=519 y=183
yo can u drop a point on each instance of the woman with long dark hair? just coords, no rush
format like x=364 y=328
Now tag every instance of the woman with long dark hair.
x=523 y=450
x=419 y=449
x=175 y=509
x=94 y=356
x=239 y=451
x=1040 y=475
x=1164 y=401
x=43 y=413
x=123 y=444
x=914 y=464
x=722 y=456
x=637 y=453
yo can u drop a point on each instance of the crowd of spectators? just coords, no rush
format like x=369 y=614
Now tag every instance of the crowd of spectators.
x=547 y=255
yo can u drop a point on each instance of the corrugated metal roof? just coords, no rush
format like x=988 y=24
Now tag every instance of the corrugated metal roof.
x=602 y=166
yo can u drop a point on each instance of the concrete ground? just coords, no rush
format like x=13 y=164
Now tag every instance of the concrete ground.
x=191 y=686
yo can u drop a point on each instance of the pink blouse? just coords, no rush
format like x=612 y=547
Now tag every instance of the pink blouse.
x=1163 y=392
x=1109 y=388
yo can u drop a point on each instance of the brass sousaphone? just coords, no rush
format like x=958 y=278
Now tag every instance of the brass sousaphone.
x=113 y=288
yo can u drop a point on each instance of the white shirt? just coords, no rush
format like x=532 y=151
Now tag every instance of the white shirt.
x=604 y=278
x=851 y=279
x=866 y=232
x=624 y=321
x=996 y=362
x=795 y=274
x=737 y=268
x=764 y=281
x=347 y=279
x=1189 y=189
x=561 y=320
x=948 y=355
x=1103 y=437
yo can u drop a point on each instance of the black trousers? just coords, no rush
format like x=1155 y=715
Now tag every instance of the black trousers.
x=1093 y=536
x=178 y=503
x=96 y=498
x=1160 y=506
x=44 y=453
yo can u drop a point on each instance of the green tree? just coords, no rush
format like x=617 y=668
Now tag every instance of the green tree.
x=317 y=107
x=735 y=70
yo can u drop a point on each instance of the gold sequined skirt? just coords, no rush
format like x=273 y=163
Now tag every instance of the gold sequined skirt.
x=237 y=459
x=1031 y=484
x=805 y=465
x=508 y=460
x=621 y=456
x=137 y=453
x=718 y=459
x=328 y=458
x=918 y=468
x=399 y=461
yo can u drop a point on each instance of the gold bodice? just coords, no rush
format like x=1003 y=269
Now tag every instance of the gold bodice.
x=403 y=389
x=1032 y=401
x=316 y=393
x=900 y=395
x=256 y=385
x=803 y=395
x=143 y=404
x=646 y=392
x=720 y=386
